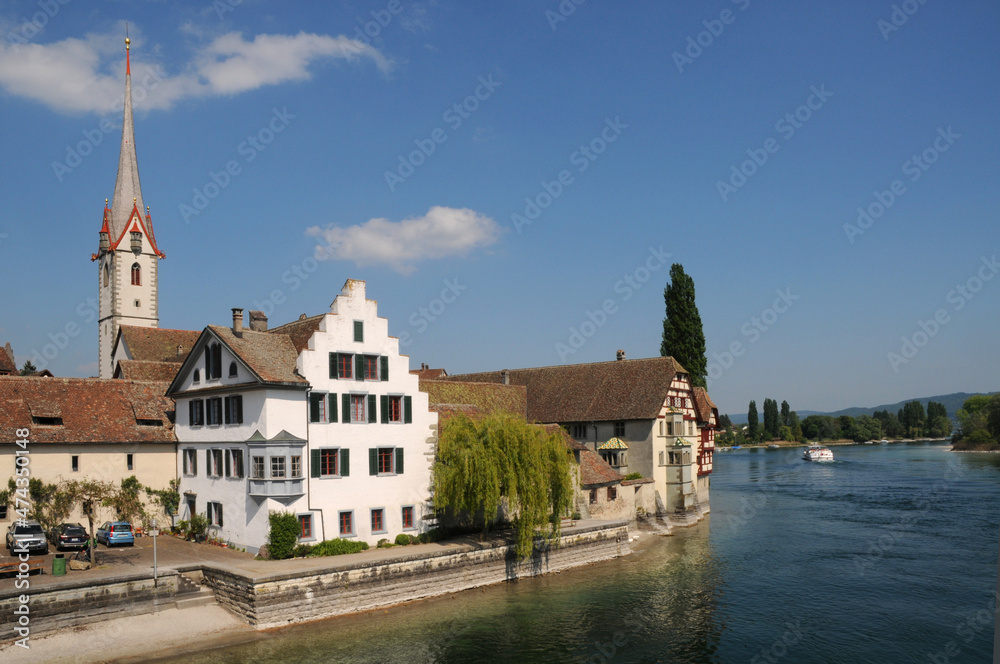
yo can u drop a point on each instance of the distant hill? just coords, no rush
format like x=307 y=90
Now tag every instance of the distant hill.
x=952 y=402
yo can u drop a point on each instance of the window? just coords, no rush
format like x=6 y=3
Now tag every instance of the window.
x=128 y=462
x=234 y=409
x=257 y=467
x=213 y=408
x=371 y=367
x=136 y=275
x=233 y=372
x=378 y=521
x=343 y=365
x=305 y=526
x=317 y=407
x=214 y=513
x=197 y=377
x=137 y=304
x=190 y=462
x=3 y=512
x=593 y=496
x=196 y=412
x=358 y=408
x=213 y=361
x=331 y=462
x=346 y=523
x=385 y=461
x=296 y=467
x=408 y=517
x=107 y=274
x=579 y=431
x=359 y=330
x=392 y=408
x=213 y=463
x=670 y=427
x=612 y=493
x=277 y=467
x=619 y=428
x=75 y=463
x=234 y=463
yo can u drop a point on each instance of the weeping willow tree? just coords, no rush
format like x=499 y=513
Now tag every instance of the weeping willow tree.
x=500 y=458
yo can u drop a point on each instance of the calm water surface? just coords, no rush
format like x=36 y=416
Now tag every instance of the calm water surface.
x=886 y=555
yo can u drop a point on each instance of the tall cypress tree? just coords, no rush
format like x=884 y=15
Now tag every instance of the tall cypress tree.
x=752 y=421
x=785 y=413
x=771 y=422
x=683 y=337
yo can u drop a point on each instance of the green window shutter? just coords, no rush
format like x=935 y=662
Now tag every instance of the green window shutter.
x=359 y=367
x=372 y=461
x=371 y=408
x=219 y=509
x=345 y=402
x=399 y=460
x=359 y=330
x=385 y=408
x=407 y=410
x=239 y=409
x=384 y=360
x=345 y=462
x=208 y=462
x=333 y=366
x=314 y=463
x=229 y=469
x=226 y=403
x=314 y=407
x=333 y=407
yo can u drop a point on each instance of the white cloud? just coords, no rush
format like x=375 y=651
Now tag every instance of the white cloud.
x=85 y=75
x=442 y=232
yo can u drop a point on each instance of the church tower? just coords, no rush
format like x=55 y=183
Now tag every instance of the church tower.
x=128 y=257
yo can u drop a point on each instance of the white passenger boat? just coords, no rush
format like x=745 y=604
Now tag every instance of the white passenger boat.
x=817 y=453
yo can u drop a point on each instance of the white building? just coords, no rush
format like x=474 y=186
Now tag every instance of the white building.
x=320 y=417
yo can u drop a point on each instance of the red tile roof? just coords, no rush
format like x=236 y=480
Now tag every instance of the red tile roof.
x=156 y=344
x=270 y=356
x=91 y=410
x=429 y=374
x=595 y=471
x=567 y=439
x=704 y=405
x=602 y=391
x=299 y=331
x=146 y=370
x=451 y=397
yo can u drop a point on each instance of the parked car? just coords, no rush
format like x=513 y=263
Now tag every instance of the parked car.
x=68 y=536
x=26 y=536
x=115 y=532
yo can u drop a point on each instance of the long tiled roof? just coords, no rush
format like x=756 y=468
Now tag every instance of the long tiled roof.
x=90 y=410
x=156 y=344
x=485 y=398
x=429 y=374
x=270 y=356
x=602 y=391
x=595 y=471
x=146 y=370
x=299 y=331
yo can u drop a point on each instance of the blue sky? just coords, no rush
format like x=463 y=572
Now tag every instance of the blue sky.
x=738 y=137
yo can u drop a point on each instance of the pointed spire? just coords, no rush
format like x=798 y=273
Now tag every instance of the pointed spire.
x=127 y=182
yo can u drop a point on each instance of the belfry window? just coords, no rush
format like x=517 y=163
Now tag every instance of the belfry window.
x=107 y=274
x=136 y=275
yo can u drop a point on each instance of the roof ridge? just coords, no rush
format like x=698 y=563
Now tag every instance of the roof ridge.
x=567 y=366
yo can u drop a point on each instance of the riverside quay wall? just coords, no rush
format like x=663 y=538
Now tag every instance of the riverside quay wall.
x=338 y=588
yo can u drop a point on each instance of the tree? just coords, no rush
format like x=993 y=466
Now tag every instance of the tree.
x=993 y=417
x=724 y=422
x=772 y=423
x=502 y=459
x=865 y=428
x=795 y=425
x=127 y=503
x=28 y=369
x=683 y=337
x=912 y=417
x=93 y=494
x=846 y=426
x=785 y=412
x=752 y=421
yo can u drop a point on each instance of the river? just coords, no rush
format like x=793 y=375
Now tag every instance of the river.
x=888 y=554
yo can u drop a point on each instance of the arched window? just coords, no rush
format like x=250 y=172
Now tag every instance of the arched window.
x=107 y=272
x=197 y=376
x=136 y=275
x=232 y=369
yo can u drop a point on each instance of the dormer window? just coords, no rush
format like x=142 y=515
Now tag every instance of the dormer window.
x=232 y=370
x=136 y=275
x=213 y=361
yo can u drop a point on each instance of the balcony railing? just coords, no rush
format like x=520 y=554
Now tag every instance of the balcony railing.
x=277 y=488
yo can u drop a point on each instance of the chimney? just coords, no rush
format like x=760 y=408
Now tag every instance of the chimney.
x=258 y=321
x=505 y=376
x=621 y=355
x=237 y=322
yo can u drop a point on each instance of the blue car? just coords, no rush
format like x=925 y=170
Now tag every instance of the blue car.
x=116 y=532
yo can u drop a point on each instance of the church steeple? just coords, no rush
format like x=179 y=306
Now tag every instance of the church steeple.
x=128 y=258
x=128 y=194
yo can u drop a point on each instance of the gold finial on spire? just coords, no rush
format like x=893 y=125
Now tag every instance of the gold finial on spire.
x=105 y=202
x=133 y=200
x=147 y=210
x=127 y=41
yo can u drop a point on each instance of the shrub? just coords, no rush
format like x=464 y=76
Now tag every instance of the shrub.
x=198 y=526
x=633 y=476
x=302 y=550
x=385 y=544
x=402 y=539
x=283 y=535
x=337 y=547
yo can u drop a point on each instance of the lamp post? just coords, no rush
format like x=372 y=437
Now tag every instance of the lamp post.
x=154 y=533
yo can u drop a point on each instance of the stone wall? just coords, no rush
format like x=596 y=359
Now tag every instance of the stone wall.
x=54 y=607
x=280 y=599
